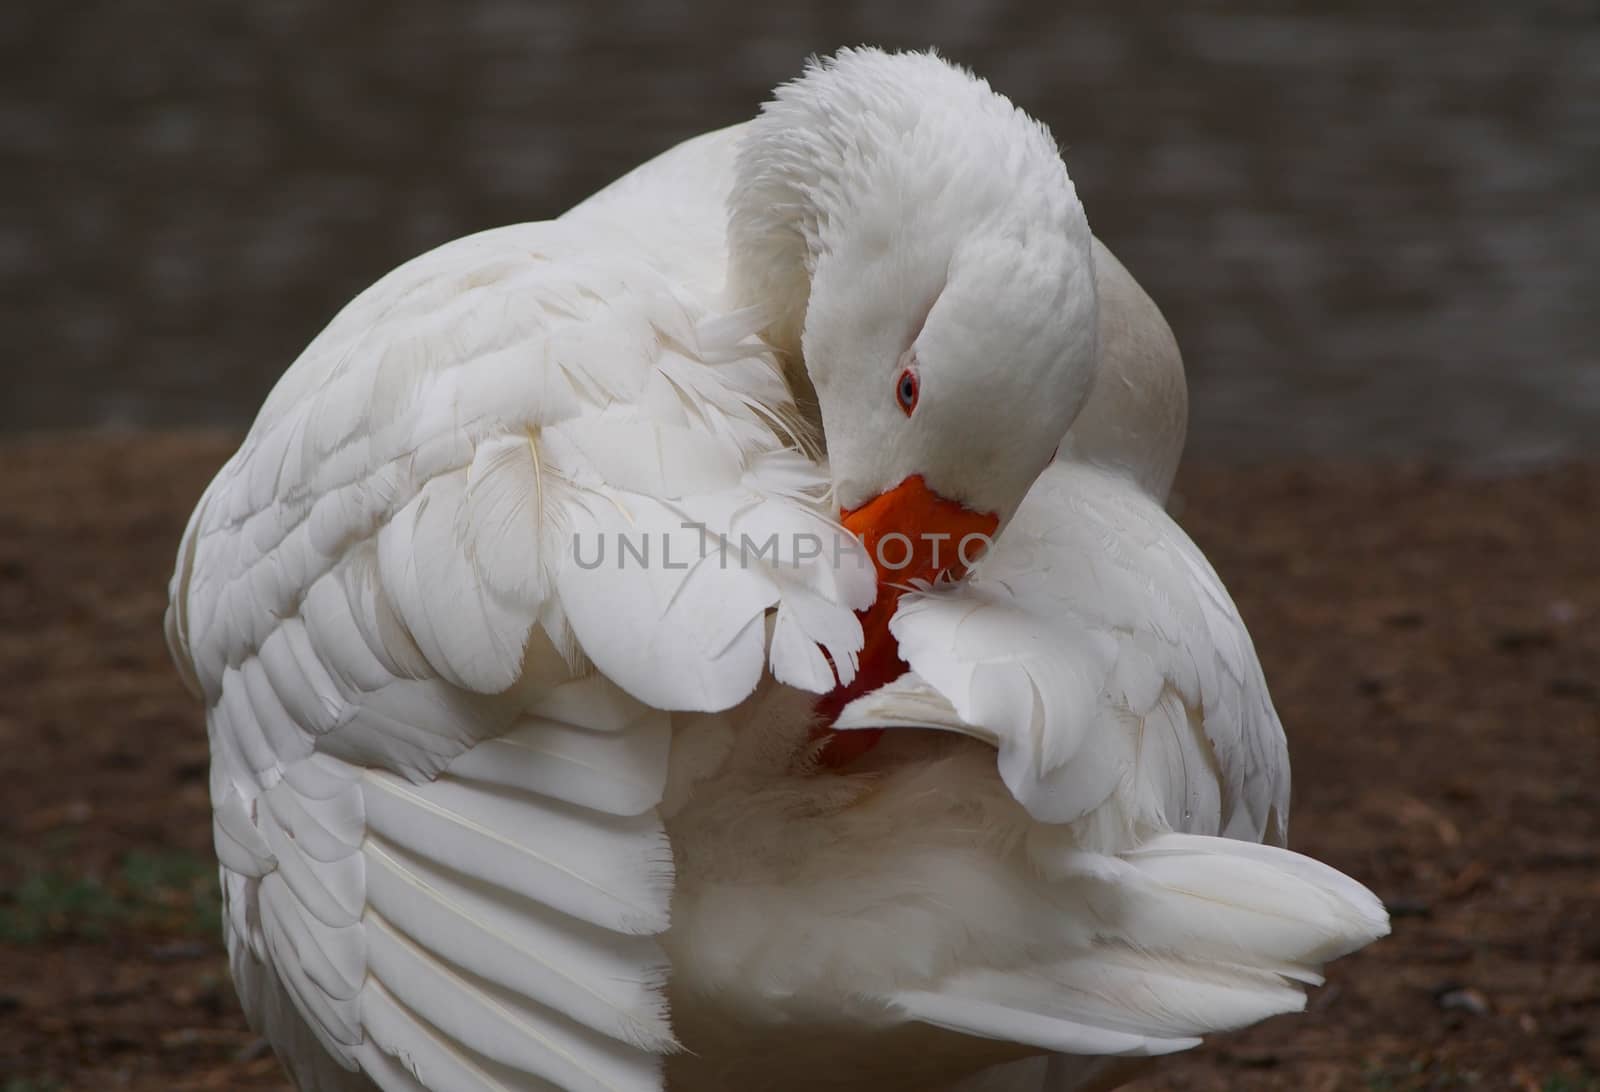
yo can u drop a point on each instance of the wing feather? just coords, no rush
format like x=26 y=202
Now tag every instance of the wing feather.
x=1099 y=651
x=442 y=860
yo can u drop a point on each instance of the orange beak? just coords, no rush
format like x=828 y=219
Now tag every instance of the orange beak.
x=911 y=533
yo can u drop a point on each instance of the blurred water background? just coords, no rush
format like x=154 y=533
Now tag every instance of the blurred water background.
x=1374 y=226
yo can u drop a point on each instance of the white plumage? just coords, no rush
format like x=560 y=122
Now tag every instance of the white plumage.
x=495 y=811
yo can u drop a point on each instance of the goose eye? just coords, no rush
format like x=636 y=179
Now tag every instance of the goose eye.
x=905 y=390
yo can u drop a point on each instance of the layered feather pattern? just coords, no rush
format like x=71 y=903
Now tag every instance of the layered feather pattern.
x=1098 y=650
x=441 y=857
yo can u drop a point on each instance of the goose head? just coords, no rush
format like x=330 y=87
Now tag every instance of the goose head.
x=923 y=255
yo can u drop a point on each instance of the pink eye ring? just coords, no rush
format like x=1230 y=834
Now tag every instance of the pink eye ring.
x=906 y=389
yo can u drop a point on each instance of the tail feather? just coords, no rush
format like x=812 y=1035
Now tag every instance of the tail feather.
x=1192 y=935
x=1236 y=903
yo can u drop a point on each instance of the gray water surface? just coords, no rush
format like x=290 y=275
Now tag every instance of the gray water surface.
x=1374 y=227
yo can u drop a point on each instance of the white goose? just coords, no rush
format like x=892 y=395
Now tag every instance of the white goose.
x=496 y=812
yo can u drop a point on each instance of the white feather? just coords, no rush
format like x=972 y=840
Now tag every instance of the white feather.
x=1101 y=651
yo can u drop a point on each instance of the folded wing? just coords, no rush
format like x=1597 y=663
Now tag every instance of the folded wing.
x=442 y=862
x=1098 y=650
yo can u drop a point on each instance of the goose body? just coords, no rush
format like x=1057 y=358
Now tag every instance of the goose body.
x=562 y=737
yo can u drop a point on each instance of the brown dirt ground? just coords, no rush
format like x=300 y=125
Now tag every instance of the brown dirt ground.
x=1432 y=642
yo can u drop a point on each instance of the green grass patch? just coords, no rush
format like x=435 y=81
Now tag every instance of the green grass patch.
x=33 y=1084
x=163 y=891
